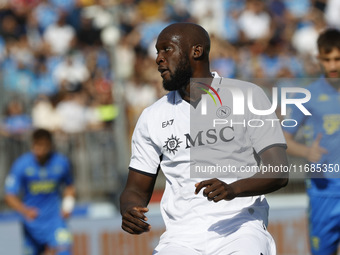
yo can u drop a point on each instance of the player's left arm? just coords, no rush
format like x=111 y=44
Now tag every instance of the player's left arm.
x=69 y=192
x=217 y=190
x=68 y=201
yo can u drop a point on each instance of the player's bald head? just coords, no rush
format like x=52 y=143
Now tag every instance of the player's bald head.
x=187 y=35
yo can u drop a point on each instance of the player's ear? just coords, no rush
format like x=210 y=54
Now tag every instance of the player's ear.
x=197 y=51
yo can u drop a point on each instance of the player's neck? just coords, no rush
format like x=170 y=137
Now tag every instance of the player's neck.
x=192 y=93
x=334 y=82
x=44 y=160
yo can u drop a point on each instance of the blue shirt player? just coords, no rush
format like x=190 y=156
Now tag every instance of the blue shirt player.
x=39 y=176
x=322 y=135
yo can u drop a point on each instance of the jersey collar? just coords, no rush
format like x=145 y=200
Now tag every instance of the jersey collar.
x=217 y=80
x=328 y=88
x=177 y=97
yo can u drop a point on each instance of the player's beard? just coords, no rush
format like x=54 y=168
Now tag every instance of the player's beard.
x=180 y=78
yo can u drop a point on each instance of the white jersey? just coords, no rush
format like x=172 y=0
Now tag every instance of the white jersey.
x=163 y=138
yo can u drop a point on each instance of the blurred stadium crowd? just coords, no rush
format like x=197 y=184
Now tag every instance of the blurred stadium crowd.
x=74 y=66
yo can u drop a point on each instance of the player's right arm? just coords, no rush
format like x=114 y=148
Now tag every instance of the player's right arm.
x=15 y=203
x=13 y=185
x=312 y=153
x=134 y=200
x=144 y=164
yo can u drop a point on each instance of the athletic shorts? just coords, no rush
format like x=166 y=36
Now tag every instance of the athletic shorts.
x=250 y=237
x=57 y=237
x=324 y=224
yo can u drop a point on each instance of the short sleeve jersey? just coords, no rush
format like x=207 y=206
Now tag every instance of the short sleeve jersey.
x=163 y=137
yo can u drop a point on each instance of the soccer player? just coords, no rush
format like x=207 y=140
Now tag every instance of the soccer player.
x=206 y=215
x=39 y=176
x=322 y=134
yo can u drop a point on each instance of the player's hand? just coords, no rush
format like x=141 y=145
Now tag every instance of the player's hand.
x=315 y=151
x=134 y=220
x=215 y=190
x=65 y=215
x=30 y=213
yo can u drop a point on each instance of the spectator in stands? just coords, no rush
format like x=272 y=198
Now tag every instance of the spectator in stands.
x=16 y=122
x=71 y=72
x=255 y=22
x=209 y=14
x=45 y=14
x=60 y=36
x=87 y=34
x=9 y=28
x=18 y=73
x=75 y=115
x=45 y=82
x=44 y=114
x=332 y=13
x=297 y=9
x=305 y=36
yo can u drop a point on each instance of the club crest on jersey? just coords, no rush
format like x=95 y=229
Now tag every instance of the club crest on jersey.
x=172 y=144
x=223 y=112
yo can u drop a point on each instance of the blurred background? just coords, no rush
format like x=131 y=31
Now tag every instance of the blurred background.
x=85 y=69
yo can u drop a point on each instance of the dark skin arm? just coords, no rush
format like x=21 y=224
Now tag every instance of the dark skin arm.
x=134 y=200
x=217 y=190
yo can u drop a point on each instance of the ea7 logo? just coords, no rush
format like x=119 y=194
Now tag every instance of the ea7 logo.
x=167 y=123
